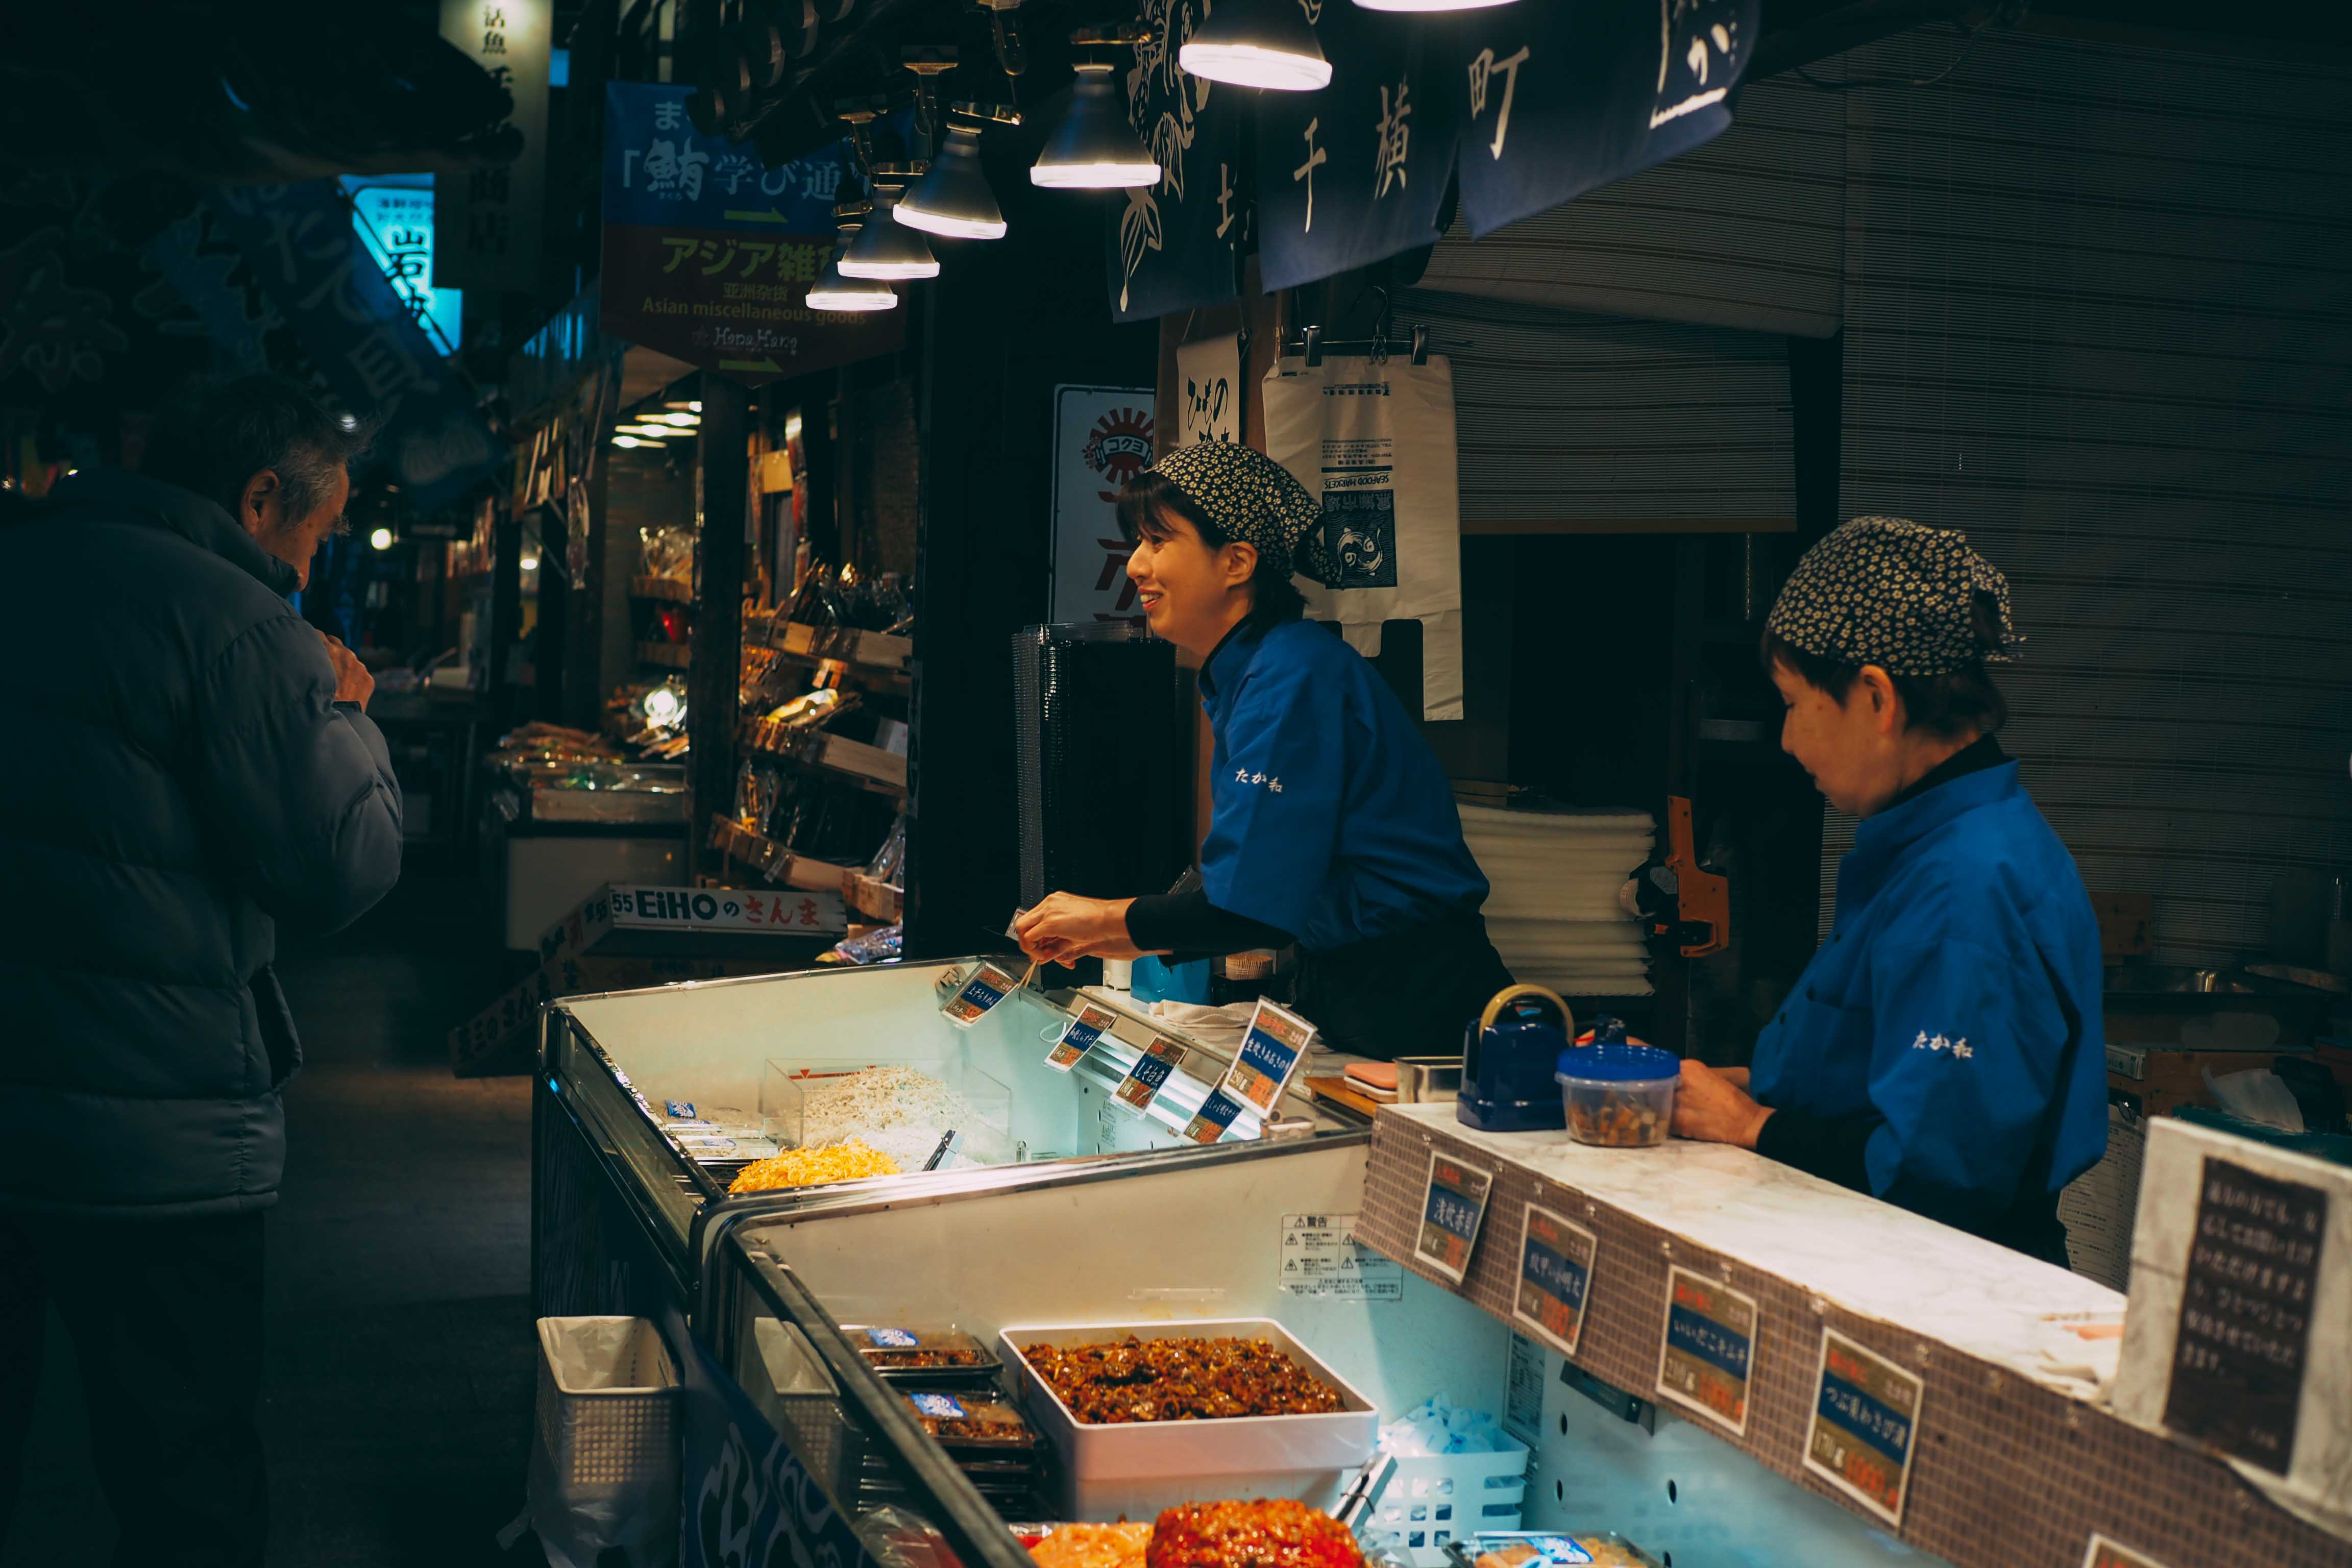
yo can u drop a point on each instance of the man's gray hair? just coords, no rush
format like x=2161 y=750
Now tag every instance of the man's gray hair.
x=217 y=435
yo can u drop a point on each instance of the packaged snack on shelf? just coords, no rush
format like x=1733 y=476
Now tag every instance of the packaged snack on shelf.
x=971 y=1418
x=923 y=1355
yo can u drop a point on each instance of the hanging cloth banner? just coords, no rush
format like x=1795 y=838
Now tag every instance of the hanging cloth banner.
x=1556 y=101
x=1356 y=172
x=1176 y=245
x=1373 y=439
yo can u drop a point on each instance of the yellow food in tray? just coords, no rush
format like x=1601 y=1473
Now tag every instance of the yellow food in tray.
x=1118 y=1545
x=844 y=1162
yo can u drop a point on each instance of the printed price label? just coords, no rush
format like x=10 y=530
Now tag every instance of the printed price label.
x=2105 y=1553
x=1866 y=1427
x=1321 y=1257
x=987 y=987
x=1141 y=1085
x=893 y=1339
x=1215 y=1115
x=945 y=1406
x=1078 y=1037
x=1555 y=1272
x=1270 y=1054
x=1707 y=1349
x=1451 y=1213
x=680 y=1107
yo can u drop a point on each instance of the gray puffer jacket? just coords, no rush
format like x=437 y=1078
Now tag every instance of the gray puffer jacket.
x=176 y=777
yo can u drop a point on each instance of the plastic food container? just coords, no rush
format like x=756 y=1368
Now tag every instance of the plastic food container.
x=971 y=1421
x=933 y=1357
x=1617 y=1096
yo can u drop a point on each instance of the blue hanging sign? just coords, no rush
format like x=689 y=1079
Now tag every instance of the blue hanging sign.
x=1176 y=245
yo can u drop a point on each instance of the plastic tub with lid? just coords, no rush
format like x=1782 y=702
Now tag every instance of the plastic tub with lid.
x=1618 y=1093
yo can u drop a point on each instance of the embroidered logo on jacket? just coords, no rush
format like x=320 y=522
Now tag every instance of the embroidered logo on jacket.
x=1927 y=1042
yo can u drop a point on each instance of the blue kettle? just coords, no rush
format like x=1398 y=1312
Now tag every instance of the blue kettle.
x=1509 y=1056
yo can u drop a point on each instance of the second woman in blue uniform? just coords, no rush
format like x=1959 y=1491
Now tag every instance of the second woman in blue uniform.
x=1332 y=825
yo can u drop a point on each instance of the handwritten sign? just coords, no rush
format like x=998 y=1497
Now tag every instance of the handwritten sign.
x=1706 y=1351
x=1866 y=1427
x=1270 y=1054
x=1143 y=1081
x=1209 y=377
x=2239 y=1355
x=1555 y=1275
x=1078 y=1037
x=1451 y=1213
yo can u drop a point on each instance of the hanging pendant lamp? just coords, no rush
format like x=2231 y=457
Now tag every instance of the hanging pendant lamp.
x=954 y=198
x=1093 y=148
x=1257 y=43
x=886 y=248
x=832 y=290
x=1429 y=4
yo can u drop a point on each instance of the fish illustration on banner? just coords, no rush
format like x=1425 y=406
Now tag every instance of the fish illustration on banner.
x=1175 y=245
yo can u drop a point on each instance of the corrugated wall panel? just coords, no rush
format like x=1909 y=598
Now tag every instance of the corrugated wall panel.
x=2099 y=315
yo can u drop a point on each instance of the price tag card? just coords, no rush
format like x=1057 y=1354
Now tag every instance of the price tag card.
x=1866 y=1427
x=972 y=999
x=2105 y=1553
x=1450 y=1214
x=1141 y=1085
x=1269 y=1057
x=1555 y=1271
x=1705 y=1352
x=1216 y=1114
x=893 y=1339
x=1078 y=1037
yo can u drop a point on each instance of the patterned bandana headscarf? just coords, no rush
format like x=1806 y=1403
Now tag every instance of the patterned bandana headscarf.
x=1892 y=593
x=1252 y=497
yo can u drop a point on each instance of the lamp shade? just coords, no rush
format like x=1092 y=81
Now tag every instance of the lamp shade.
x=1257 y=43
x=1429 y=4
x=1093 y=148
x=953 y=198
x=832 y=292
x=885 y=248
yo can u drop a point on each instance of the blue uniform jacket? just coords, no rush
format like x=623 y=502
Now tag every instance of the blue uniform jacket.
x=1958 y=997
x=1330 y=818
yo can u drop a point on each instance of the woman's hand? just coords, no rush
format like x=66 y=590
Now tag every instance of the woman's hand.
x=1064 y=926
x=1713 y=1107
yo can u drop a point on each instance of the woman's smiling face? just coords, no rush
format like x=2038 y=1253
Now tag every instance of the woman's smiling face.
x=1192 y=594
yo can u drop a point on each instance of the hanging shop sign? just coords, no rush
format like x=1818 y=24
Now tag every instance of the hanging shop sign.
x=1554 y=1276
x=1209 y=381
x=298 y=243
x=1176 y=245
x=1102 y=439
x=490 y=217
x=1453 y=1206
x=394 y=221
x=709 y=252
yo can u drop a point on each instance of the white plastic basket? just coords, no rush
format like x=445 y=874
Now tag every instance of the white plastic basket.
x=607 y=1401
x=1432 y=1498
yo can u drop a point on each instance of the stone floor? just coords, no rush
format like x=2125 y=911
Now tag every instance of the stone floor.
x=397 y=1401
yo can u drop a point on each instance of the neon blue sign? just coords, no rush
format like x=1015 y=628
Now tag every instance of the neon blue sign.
x=395 y=223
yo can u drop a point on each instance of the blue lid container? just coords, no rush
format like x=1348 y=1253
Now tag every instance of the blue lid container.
x=1613 y=1063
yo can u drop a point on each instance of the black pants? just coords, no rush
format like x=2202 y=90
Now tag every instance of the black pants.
x=1407 y=994
x=166 y=1322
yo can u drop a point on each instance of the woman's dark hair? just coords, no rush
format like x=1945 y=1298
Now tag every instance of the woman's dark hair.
x=1947 y=705
x=215 y=436
x=1149 y=501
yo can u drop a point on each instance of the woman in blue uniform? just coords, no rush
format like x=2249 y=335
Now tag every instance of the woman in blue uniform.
x=1943 y=1049
x=1332 y=825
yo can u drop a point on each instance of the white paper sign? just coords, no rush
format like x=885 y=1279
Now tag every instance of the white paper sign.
x=1321 y=1257
x=1102 y=439
x=1209 y=389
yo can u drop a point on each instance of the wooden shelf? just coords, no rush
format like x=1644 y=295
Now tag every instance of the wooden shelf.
x=869 y=767
x=773 y=861
x=872 y=650
x=669 y=590
x=668 y=654
x=878 y=899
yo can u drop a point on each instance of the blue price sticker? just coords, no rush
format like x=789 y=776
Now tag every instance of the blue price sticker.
x=1215 y=1115
x=893 y=1339
x=1555 y=1277
x=1277 y=1043
x=1142 y=1083
x=1451 y=1212
x=1706 y=1353
x=1866 y=1427
x=942 y=1406
x=987 y=987
x=680 y=1107
x=1078 y=1037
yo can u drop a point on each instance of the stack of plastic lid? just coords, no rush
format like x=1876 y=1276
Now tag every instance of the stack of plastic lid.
x=1553 y=913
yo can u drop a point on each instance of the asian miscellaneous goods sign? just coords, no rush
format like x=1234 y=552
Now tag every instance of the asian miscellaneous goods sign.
x=394 y=223
x=1102 y=439
x=2246 y=1298
x=1209 y=383
x=1866 y=1427
x=709 y=253
x=1706 y=1351
x=1453 y=1205
x=1152 y=1069
x=299 y=246
x=492 y=216
x=1555 y=1277
x=1321 y=1257
x=1078 y=1037
x=1275 y=1042
x=1175 y=244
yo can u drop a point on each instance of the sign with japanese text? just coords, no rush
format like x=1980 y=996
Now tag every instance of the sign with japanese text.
x=1554 y=1276
x=1321 y=1257
x=1175 y=245
x=490 y=216
x=1215 y=1118
x=299 y=246
x=1275 y=1042
x=1452 y=1208
x=2105 y=1553
x=1707 y=1349
x=1078 y=1037
x=781 y=911
x=2239 y=1354
x=751 y=1500
x=395 y=225
x=1209 y=382
x=709 y=253
x=1151 y=1072
x=1866 y=1427
x=982 y=989
x=1102 y=439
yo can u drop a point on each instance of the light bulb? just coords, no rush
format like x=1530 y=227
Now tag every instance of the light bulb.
x=663 y=706
x=531 y=564
x=380 y=538
x=1429 y=4
x=1093 y=148
x=694 y=407
x=682 y=419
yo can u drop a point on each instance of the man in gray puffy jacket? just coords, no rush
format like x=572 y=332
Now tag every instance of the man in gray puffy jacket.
x=188 y=763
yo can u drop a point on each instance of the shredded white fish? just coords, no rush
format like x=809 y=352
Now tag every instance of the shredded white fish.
x=895 y=1109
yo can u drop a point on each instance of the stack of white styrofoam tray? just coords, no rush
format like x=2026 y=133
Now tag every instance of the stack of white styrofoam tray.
x=1553 y=913
x=1133 y=1469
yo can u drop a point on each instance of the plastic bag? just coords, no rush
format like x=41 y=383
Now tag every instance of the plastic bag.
x=2260 y=1095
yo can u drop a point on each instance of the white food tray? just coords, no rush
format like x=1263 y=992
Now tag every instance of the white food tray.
x=1136 y=1469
